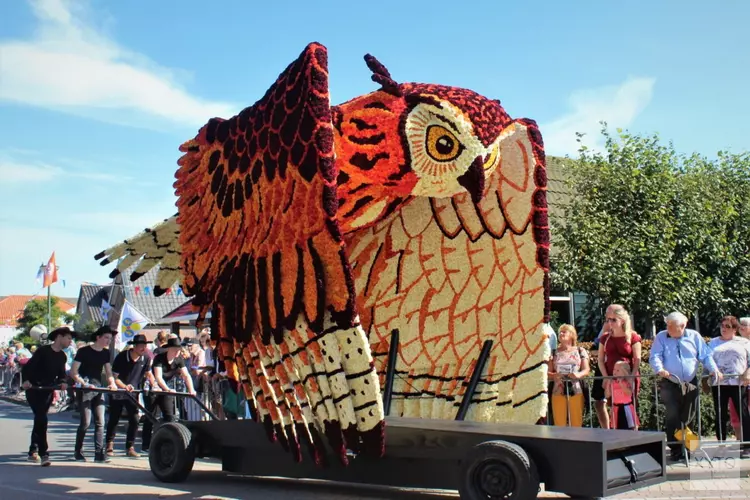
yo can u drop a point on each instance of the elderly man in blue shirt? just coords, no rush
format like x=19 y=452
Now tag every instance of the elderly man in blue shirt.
x=675 y=354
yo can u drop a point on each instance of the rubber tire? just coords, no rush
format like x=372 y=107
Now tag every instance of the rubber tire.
x=509 y=455
x=181 y=439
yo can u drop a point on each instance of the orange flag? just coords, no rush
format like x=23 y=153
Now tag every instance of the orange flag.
x=50 y=273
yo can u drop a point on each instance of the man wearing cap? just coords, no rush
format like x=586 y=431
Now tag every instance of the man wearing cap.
x=167 y=365
x=130 y=368
x=46 y=368
x=87 y=372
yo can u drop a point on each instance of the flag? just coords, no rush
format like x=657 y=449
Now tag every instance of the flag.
x=106 y=307
x=131 y=323
x=50 y=273
x=40 y=273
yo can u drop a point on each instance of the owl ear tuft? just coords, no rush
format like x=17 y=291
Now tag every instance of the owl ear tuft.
x=382 y=76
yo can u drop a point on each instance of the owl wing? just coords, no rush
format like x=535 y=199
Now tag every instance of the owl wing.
x=159 y=245
x=260 y=244
x=449 y=275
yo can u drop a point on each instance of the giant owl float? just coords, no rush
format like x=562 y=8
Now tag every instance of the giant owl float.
x=314 y=232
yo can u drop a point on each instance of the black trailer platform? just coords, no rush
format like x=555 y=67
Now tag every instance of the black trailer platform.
x=480 y=460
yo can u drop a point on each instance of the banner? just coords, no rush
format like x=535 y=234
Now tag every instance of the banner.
x=131 y=323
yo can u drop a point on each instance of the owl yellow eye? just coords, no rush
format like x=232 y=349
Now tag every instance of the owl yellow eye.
x=442 y=145
x=491 y=159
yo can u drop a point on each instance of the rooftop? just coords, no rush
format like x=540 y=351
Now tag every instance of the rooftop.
x=12 y=306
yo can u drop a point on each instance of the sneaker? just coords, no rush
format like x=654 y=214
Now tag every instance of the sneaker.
x=132 y=453
x=101 y=458
x=79 y=457
x=33 y=457
x=45 y=461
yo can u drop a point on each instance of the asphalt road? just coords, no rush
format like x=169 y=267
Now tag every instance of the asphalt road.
x=131 y=479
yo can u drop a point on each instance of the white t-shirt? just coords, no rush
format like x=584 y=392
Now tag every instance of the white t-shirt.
x=732 y=357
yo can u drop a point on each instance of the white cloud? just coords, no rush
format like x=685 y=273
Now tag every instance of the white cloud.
x=618 y=105
x=13 y=170
x=69 y=65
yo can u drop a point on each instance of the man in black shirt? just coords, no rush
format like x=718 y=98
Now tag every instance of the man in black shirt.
x=46 y=368
x=167 y=365
x=130 y=368
x=87 y=372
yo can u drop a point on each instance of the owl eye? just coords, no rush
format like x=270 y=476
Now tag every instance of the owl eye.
x=491 y=159
x=442 y=145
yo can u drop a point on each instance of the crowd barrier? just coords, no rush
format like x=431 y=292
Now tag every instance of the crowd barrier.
x=211 y=401
x=657 y=404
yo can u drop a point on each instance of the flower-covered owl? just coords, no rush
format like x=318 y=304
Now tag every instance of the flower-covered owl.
x=312 y=232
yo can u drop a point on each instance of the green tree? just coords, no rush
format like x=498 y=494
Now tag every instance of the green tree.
x=35 y=313
x=655 y=230
x=88 y=327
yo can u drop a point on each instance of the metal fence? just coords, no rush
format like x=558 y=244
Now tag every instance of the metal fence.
x=10 y=377
x=656 y=404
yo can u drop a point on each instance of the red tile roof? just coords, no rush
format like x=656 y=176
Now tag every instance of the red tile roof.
x=11 y=307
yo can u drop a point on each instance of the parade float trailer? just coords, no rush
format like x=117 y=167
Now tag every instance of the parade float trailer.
x=377 y=274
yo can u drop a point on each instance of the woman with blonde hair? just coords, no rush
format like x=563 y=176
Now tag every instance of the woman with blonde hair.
x=569 y=364
x=619 y=342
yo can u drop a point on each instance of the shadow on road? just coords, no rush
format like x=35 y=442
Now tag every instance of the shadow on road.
x=132 y=479
x=68 y=479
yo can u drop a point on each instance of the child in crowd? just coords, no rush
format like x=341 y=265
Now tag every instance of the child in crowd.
x=623 y=415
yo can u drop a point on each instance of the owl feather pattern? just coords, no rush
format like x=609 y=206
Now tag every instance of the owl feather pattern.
x=311 y=232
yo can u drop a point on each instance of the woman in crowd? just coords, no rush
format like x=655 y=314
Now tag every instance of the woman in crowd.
x=619 y=342
x=732 y=356
x=569 y=364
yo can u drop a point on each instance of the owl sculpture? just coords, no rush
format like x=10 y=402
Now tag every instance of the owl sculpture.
x=312 y=232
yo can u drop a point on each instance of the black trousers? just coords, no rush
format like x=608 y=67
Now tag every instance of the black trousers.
x=115 y=412
x=681 y=408
x=89 y=407
x=39 y=402
x=162 y=402
x=738 y=396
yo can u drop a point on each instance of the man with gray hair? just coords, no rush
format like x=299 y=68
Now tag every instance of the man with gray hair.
x=745 y=328
x=675 y=354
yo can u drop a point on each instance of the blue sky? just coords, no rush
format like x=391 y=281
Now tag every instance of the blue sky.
x=96 y=97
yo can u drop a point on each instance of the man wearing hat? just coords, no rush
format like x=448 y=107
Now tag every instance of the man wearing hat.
x=46 y=368
x=87 y=369
x=168 y=364
x=129 y=368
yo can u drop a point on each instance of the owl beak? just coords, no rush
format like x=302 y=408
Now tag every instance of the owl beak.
x=473 y=179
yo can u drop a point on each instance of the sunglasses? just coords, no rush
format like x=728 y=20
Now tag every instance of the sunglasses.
x=611 y=320
x=733 y=327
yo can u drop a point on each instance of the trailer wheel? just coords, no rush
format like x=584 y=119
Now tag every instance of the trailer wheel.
x=172 y=453
x=498 y=469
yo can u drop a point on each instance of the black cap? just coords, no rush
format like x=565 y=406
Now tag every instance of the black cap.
x=172 y=342
x=139 y=339
x=64 y=330
x=103 y=331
